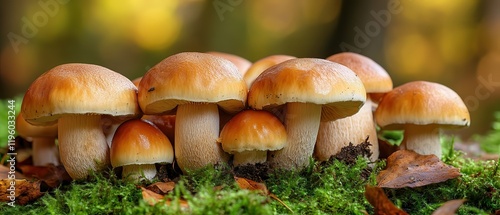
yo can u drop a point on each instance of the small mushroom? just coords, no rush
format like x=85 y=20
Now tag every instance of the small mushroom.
x=313 y=90
x=241 y=63
x=194 y=85
x=334 y=135
x=42 y=138
x=137 y=146
x=422 y=108
x=75 y=96
x=250 y=134
x=259 y=66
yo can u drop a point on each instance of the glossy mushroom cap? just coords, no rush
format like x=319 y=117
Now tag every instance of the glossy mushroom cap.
x=192 y=77
x=253 y=130
x=422 y=103
x=241 y=63
x=139 y=142
x=259 y=66
x=79 y=89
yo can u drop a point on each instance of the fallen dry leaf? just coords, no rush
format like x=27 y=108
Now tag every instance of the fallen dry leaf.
x=51 y=175
x=21 y=191
x=382 y=204
x=248 y=184
x=153 y=198
x=406 y=168
x=449 y=207
x=162 y=187
x=5 y=172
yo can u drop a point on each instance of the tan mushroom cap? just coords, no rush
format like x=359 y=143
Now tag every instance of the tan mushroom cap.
x=192 y=77
x=253 y=130
x=78 y=89
x=261 y=65
x=309 y=80
x=25 y=129
x=241 y=63
x=422 y=103
x=140 y=142
x=373 y=76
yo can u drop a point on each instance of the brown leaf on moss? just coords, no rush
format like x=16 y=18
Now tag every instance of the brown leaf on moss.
x=153 y=198
x=21 y=191
x=248 y=184
x=382 y=204
x=5 y=172
x=407 y=168
x=449 y=207
x=51 y=175
x=162 y=187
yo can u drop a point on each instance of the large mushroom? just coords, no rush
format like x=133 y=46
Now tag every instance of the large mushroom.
x=250 y=134
x=335 y=135
x=42 y=138
x=137 y=146
x=195 y=85
x=75 y=96
x=422 y=108
x=313 y=90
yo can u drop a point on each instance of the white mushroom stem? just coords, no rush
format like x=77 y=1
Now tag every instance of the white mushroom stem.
x=45 y=151
x=423 y=139
x=138 y=172
x=249 y=157
x=82 y=145
x=302 y=124
x=334 y=135
x=196 y=133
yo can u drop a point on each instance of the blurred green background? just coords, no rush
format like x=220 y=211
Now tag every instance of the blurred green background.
x=453 y=43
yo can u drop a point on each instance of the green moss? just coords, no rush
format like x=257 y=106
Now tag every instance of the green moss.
x=491 y=141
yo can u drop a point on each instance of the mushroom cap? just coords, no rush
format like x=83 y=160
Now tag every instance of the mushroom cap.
x=373 y=76
x=259 y=66
x=253 y=130
x=422 y=103
x=192 y=77
x=309 y=80
x=24 y=129
x=241 y=63
x=140 y=142
x=136 y=81
x=79 y=89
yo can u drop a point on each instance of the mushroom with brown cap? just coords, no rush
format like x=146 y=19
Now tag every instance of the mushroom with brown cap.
x=75 y=96
x=137 y=146
x=250 y=134
x=241 y=63
x=313 y=90
x=421 y=109
x=195 y=85
x=42 y=138
x=334 y=135
x=259 y=66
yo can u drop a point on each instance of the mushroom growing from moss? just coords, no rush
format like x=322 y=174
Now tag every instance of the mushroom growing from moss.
x=421 y=109
x=250 y=134
x=334 y=135
x=75 y=96
x=313 y=90
x=137 y=146
x=194 y=85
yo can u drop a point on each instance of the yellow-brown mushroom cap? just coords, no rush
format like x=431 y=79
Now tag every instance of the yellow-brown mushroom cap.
x=79 y=89
x=373 y=76
x=261 y=65
x=253 y=130
x=140 y=142
x=241 y=63
x=309 y=80
x=192 y=77
x=24 y=129
x=422 y=103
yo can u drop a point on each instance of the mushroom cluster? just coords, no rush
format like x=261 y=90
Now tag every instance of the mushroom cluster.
x=196 y=109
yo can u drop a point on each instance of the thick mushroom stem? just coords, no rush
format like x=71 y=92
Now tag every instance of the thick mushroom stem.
x=138 y=172
x=82 y=144
x=249 y=157
x=423 y=139
x=196 y=134
x=45 y=151
x=334 y=135
x=302 y=123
